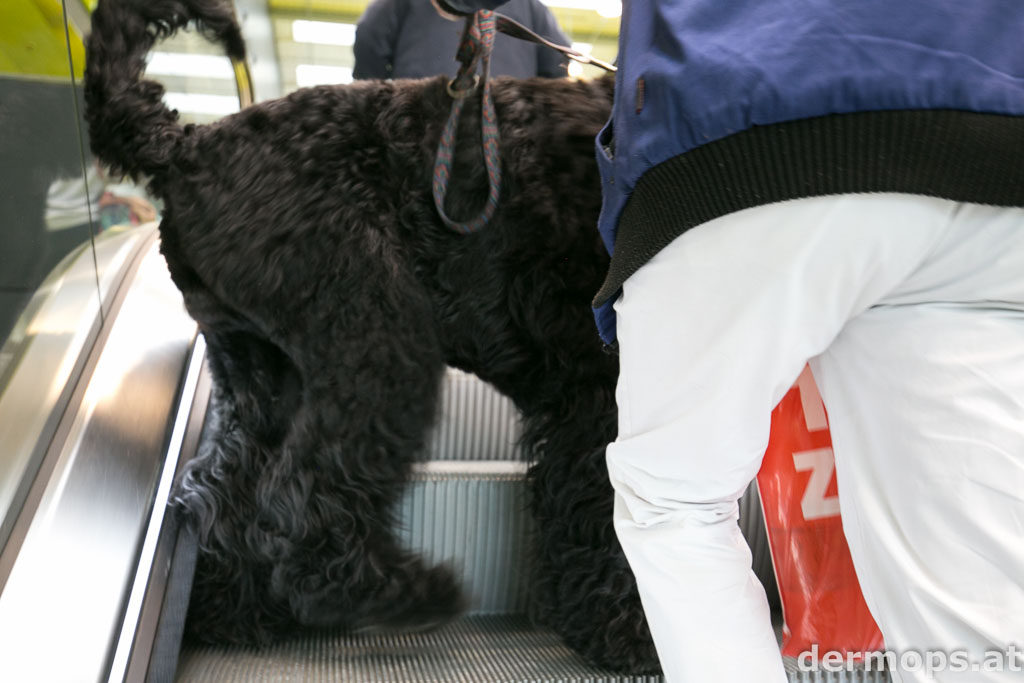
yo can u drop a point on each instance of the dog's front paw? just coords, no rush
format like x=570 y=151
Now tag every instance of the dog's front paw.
x=409 y=597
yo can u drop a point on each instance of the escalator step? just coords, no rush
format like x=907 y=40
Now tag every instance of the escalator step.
x=472 y=516
x=486 y=649
x=474 y=422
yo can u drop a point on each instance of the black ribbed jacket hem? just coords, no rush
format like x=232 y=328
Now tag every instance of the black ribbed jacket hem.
x=958 y=155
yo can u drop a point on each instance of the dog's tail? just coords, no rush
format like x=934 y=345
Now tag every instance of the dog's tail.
x=130 y=128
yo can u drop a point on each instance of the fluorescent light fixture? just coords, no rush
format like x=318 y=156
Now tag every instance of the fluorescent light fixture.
x=194 y=103
x=609 y=9
x=185 y=64
x=312 y=74
x=606 y=8
x=570 y=4
x=323 y=32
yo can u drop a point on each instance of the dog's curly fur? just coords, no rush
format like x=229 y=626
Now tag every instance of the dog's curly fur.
x=303 y=236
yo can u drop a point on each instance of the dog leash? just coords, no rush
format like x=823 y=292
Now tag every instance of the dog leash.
x=475 y=48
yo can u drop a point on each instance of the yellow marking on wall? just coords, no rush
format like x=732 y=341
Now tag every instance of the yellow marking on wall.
x=33 y=42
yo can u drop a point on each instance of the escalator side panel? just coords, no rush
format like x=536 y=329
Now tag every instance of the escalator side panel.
x=71 y=579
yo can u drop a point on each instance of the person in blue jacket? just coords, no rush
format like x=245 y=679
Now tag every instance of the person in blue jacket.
x=839 y=183
x=409 y=39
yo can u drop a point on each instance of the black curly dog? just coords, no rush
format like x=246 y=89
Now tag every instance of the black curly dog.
x=303 y=236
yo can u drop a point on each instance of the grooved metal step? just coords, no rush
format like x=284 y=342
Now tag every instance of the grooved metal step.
x=466 y=505
x=474 y=422
x=484 y=649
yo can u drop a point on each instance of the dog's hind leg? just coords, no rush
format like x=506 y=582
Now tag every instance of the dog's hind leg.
x=293 y=497
x=371 y=367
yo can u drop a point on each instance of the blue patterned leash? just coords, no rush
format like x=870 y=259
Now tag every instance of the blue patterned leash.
x=475 y=47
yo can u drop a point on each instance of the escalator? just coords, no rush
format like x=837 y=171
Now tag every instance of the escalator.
x=104 y=398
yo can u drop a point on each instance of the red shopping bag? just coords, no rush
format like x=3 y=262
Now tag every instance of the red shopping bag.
x=822 y=602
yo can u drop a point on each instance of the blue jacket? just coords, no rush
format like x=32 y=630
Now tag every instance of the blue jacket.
x=722 y=105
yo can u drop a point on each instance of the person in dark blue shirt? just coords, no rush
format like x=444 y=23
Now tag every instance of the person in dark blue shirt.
x=409 y=39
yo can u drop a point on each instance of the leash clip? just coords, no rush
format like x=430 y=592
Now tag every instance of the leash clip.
x=513 y=28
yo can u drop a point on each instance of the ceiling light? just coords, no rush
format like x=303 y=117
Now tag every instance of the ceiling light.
x=323 y=32
x=195 y=103
x=606 y=8
x=314 y=74
x=609 y=9
x=186 y=64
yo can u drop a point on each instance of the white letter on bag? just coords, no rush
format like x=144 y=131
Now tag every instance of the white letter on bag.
x=821 y=463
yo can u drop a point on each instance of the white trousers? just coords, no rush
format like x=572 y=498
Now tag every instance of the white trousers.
x=911 y=312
